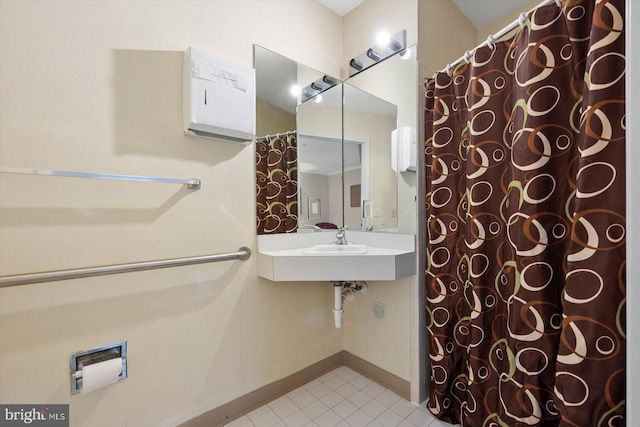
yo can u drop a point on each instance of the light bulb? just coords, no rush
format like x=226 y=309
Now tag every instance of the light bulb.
x=318 y=99
x=406 y=54
x=295 y=90
x=383 y=38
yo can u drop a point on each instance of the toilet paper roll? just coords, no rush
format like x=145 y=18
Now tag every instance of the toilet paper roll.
x=100 y=375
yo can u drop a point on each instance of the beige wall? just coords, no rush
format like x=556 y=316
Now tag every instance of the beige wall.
x=495 y=26
x=96 y=86
x=445 y=34
x=271 y=119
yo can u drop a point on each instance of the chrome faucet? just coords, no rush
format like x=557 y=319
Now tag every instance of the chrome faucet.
x=341 y=238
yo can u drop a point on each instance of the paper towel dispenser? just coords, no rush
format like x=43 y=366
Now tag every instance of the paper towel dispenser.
x=403 y=149
x=218 y=98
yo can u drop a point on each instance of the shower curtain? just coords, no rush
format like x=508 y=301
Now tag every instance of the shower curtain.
x=277 y=183
x=526 y=225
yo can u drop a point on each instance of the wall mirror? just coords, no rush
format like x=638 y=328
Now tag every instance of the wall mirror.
x=343 y=172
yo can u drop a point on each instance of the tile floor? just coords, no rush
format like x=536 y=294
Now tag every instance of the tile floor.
x=341 y=398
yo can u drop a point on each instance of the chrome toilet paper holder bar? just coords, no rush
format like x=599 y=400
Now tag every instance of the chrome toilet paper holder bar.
x=96 y=355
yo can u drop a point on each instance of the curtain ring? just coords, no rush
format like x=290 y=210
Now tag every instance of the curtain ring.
x=490 y=41
x=467 y=56
x=559 y=3
x=522 y=19
x=448 y=70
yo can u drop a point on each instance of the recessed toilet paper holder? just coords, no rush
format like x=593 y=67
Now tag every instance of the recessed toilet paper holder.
x=96 y=355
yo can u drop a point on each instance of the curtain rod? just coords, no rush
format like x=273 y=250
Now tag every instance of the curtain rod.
x=277 y=135
x=495 y=37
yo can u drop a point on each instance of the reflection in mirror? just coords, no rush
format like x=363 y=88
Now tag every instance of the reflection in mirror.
x=326 y=195
x=368 y=124
x=281 y=86
x=320 y=160
x=394 y=80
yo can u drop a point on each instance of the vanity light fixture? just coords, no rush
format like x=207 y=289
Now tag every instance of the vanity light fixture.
x=355 y=64
x=387 y=46
x=373 y=55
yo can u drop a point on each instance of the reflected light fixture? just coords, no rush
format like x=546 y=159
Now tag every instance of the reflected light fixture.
x=315 y=88
x=355 y=64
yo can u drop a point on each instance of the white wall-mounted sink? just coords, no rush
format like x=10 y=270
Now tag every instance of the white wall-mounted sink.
x=335 y=250
x=307 y=257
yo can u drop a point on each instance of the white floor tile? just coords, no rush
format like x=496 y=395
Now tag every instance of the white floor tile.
x=373 y=389
x=361 y=382
x=279 y=401
x=296 y=392
x=374 y=408
x=312 y=384
x=243 y=421
x=360 y=399
x=304 y=399
x=297 y=419
x=421 y=418
x=285 y=409
x=335 y=382
x=347 y=374
x=327 y=376
x=315 y=409
x=344 y=409
x=340 y=398
x=359 y=419
x=346 y=390
x=389 y=418
x=331 y=399
x=257 y=412
x=403 y=408
x=320 y=390
x=388 y=398
x=266 y=419
x=328 y=419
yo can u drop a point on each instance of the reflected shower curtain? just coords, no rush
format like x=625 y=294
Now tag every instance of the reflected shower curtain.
x=526 y=225
x=277 y=183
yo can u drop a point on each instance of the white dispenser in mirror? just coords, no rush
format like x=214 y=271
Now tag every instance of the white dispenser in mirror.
x=403 y=149
x=218 y=98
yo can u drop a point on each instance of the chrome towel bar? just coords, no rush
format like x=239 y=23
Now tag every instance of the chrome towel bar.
x=192 y=183
x=243 y=253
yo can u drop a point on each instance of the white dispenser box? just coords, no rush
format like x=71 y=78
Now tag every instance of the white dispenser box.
x=218 y=98
x=403 y=149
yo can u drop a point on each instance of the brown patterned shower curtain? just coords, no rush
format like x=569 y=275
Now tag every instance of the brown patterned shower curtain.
x=526 y=225
x=277 y=183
